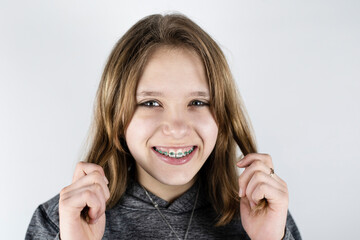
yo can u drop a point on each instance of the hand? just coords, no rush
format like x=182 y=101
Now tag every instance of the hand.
x=88 y=190
x=256 y=183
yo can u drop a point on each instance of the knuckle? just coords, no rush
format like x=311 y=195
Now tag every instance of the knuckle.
x=96 y=187
x=100 y=173
x=64 y=191
x=258 y=175
x=262 y=186
x=86 y=194
x=268 y=159
x=95 y=177
x=80 y=165
x=79 y=168
x=257 y=163
x=100 y=169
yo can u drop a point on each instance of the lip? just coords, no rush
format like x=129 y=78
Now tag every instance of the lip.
x=176 y=161
x=175 y=147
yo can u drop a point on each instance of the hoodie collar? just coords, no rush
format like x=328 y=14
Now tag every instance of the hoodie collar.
x=135 y=197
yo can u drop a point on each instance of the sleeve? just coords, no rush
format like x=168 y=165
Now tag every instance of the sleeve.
x=291 y=230
x=41 y=226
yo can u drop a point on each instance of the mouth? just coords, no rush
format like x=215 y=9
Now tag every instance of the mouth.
x=175 y=152
x=175 y=155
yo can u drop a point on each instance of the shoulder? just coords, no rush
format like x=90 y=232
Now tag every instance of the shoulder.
x=50 y=210
x=291 y=231
x=45 y=220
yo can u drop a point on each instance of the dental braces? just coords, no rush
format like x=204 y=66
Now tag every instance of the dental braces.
x=173 y=154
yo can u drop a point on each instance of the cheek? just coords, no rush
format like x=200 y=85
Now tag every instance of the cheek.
x=207 y=128
x=140 y=128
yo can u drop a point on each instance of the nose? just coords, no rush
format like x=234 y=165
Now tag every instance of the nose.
x=176 y=125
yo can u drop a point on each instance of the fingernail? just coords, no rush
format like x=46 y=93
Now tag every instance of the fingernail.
x=252 y=205
x=240 y=192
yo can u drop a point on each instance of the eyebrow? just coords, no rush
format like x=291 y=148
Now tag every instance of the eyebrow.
x=156 y=94
x=149 y=94
x=199 y=94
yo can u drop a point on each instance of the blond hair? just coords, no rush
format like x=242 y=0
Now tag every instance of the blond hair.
x=116 y=103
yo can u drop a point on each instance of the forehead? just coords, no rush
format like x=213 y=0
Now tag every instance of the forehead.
x=172 y=69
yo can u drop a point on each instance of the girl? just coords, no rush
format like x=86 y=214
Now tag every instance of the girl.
x=162 y=162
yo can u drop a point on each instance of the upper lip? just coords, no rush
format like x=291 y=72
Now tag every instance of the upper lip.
x=174 y=146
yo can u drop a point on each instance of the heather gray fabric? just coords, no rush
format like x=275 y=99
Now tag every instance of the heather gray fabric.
x=134 y=217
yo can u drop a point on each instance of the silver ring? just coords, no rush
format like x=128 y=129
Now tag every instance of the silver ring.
x=272 y=172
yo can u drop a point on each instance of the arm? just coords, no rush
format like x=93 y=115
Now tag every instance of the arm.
x=41 y=226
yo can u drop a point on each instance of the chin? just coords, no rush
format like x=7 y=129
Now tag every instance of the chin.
x=175 y=179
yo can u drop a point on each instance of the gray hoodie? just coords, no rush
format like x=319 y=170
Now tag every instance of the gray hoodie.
x=134 y=217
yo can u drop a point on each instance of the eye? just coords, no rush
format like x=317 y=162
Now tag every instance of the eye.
x=198 y=103
x=151 y=103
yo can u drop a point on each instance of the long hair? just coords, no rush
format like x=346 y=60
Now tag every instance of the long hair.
x=116 y=103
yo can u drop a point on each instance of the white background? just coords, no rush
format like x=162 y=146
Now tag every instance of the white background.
x=296 y=63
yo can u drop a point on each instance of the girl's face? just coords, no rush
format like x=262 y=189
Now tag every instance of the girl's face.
x=172 y=132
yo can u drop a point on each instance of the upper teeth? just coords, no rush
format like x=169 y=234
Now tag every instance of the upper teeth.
x=175 y=153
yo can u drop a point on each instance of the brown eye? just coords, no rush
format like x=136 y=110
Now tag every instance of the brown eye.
x=198 y=103
x=151 y=103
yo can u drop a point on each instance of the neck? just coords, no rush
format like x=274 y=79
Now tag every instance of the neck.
x=167 y=192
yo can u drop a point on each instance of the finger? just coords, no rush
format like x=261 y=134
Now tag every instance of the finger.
x=273 y=195
x=260 y=178
x=92 y=178
x=90 y=196
x=251 y=157
x=96 y=211
x=84 y=168
x=249 y=172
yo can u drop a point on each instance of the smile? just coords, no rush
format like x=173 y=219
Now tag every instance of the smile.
x=174 y=152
